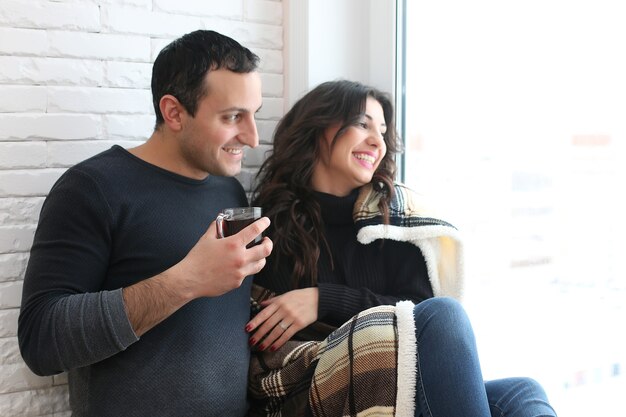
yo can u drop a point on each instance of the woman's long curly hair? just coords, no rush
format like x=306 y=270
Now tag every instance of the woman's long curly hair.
x=283 y=187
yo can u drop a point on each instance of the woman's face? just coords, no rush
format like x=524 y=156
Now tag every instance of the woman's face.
x=355 y=156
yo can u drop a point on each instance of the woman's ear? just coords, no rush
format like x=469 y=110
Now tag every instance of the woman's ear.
x=172 y=110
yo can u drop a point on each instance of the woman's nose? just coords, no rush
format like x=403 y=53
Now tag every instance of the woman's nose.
x=376 y=139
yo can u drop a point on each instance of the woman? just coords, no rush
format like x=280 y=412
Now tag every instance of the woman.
x=347 y=239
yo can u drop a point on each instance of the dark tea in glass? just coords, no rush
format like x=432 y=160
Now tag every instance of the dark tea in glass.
x=232 y=220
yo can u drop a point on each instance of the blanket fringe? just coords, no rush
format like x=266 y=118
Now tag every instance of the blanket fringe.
x=407 y=354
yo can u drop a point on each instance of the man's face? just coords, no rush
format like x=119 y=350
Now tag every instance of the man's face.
x=212 y=141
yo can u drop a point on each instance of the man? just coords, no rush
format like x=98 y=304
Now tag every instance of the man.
x=127 y=286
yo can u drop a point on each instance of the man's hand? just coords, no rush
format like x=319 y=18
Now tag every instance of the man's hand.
x=213 y=267
x=282 y=317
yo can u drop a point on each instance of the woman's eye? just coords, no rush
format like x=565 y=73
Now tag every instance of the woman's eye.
x=232 y=117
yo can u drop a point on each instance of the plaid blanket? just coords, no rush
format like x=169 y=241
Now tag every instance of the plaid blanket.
x=366 y=367
x=413 y=220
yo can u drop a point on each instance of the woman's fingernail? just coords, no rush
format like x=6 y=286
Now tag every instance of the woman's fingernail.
x=261 y=347
x=252 y=341
x=273 y=348
x=248 y=327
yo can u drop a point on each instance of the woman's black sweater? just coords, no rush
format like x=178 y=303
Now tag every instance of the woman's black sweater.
x=359 y=276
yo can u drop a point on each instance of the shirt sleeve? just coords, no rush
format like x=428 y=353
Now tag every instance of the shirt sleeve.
x=66 y=319
x=405 y=278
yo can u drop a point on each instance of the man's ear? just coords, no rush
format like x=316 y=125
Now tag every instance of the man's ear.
x=172 y=112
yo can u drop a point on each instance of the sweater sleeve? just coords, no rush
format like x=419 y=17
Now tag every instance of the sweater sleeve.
x=66 y=319
x=405 y=278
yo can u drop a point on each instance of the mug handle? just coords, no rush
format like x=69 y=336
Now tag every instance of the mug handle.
x=219 y=223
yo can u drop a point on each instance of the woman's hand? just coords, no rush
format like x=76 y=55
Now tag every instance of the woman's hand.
x=282 y=317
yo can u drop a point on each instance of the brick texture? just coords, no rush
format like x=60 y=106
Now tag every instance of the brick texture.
x=74 y=80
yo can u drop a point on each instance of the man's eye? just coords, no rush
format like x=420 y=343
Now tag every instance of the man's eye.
x=232 y=117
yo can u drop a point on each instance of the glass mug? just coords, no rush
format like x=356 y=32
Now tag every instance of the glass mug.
x=232 y=220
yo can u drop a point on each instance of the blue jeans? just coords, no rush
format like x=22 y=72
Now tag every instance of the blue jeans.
x=449 y=379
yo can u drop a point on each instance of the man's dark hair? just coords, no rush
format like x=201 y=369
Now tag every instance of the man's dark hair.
x=181 y=67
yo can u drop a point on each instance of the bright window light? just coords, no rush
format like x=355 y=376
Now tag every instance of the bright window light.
x=515 y=124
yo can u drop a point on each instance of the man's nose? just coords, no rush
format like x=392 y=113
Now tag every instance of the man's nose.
x=249 y=135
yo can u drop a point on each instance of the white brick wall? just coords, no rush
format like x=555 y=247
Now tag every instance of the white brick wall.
x=74 y=80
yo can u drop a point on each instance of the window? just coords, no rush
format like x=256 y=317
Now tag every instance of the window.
x=513 y=116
